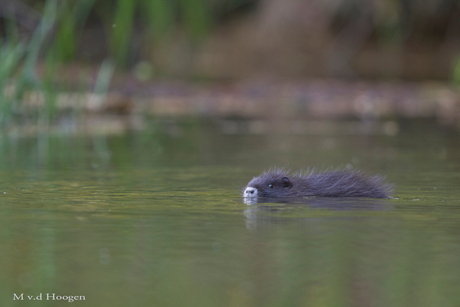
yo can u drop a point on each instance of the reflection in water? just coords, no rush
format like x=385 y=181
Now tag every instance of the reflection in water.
x=281 y=210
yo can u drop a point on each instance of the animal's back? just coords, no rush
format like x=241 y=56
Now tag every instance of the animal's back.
x=347 y=184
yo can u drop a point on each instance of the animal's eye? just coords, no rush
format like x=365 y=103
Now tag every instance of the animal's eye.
x=270 y=186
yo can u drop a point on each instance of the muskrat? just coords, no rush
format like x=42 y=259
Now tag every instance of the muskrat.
x=280 y=183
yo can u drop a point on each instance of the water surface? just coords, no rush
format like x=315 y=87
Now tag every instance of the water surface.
x=156 y=218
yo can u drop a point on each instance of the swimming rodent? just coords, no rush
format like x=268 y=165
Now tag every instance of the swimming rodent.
x=280 y=183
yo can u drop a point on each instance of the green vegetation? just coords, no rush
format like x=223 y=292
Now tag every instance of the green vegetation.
x=132 y=30
x=56 y=39
x=71 y=23
x=140 y=34
x=456 y=73
x=18 y=70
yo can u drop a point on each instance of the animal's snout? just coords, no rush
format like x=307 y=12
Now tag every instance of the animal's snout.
x=250 y=192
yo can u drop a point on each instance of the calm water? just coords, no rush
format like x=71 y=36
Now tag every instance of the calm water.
x=155 y=218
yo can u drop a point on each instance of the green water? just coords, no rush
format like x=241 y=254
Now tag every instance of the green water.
x=155 y=218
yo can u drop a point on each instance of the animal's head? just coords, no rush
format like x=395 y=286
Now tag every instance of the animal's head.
x=270 y=184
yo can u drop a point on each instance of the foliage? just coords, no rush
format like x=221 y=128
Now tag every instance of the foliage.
x=120 y=20
x=19 y=60
x=60 y=29
x=456 y=74
x=71 y=23
x=134 y=27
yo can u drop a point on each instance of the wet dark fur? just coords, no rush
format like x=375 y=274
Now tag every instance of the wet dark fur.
x=328 y=184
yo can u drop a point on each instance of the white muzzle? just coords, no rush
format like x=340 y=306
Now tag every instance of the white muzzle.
x=250 y=192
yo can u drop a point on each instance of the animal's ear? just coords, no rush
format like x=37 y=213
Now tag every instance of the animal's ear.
x=286 y=181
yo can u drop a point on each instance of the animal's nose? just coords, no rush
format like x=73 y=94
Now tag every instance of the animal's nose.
x=250 y=192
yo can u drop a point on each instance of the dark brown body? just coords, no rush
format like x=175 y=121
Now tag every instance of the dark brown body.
x=281 y=183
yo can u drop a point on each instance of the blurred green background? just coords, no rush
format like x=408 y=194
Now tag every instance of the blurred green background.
x=94 y=47
x=410 y=39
